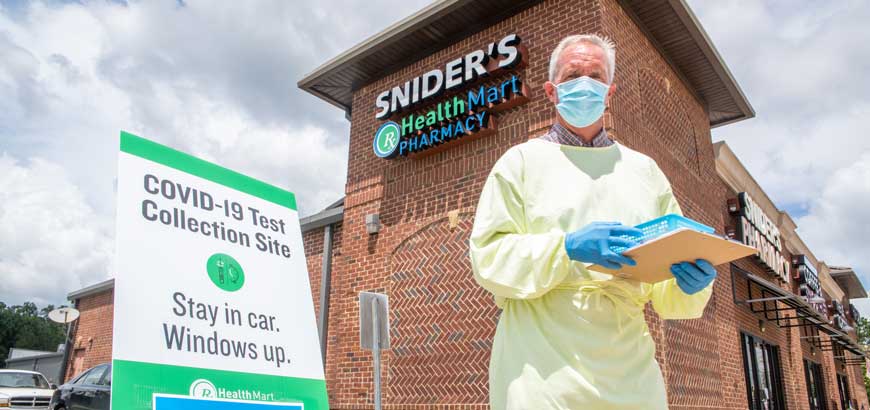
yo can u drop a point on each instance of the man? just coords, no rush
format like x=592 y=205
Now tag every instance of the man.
x=570 y=337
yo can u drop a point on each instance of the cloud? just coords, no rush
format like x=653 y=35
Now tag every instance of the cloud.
x=215 y=79
x=803 y=69
x=193 y=81
x=285 y=156
x=839 y=221
x=837 y=224
x=218 y=80
x=58 y=243
x=169 y=72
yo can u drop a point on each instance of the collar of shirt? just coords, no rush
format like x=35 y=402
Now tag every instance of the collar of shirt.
x=564 y=136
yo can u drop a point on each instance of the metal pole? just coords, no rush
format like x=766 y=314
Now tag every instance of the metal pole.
x=66 y=348
x=325 y=281
x=376 y=352
x=66 y=320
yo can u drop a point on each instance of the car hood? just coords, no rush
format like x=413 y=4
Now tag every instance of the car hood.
x=26 y=391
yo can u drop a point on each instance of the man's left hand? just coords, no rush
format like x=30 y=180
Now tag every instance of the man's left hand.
x=693 y=277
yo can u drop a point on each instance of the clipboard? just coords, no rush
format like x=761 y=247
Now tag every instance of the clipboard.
x=654 y=258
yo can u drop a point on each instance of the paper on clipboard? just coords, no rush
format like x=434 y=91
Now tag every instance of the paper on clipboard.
x=654 y=258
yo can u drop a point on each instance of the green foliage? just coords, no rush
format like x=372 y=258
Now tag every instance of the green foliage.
x=866 y=381
x=27 y=327
x=863 y=330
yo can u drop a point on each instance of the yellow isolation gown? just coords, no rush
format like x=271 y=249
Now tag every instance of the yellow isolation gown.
x=569 y=337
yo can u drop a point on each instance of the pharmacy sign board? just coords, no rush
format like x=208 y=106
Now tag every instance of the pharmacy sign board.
x=213 y=308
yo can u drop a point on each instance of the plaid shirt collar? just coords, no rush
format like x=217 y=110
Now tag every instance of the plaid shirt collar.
x=564 y=136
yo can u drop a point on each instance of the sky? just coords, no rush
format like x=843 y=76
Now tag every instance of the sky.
x=217 y=79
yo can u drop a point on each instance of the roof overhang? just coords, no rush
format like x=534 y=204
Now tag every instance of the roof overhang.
x=91 y=290
x=329 y=216
x=34 y=357
x=435 y=26
x=848 y=280
x=670 y=24
x=674 y=29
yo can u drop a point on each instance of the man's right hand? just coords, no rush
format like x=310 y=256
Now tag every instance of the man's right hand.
x=592 y=244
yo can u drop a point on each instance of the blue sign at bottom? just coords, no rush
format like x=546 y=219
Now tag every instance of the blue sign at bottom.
x=170 y=402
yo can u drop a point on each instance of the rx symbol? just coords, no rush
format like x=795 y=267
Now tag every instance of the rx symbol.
x=390 y=137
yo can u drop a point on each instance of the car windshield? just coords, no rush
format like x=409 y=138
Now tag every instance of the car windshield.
x=23 y=380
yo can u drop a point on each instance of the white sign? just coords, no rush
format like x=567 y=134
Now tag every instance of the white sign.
x=211 y=285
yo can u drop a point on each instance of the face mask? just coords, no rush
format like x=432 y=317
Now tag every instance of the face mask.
x=581 y=101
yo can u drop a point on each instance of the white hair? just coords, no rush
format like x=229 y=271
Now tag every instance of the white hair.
x=605 y=43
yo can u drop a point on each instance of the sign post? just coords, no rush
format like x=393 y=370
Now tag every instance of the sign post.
x=376 y=353
x=213 y=305
x=374 y=333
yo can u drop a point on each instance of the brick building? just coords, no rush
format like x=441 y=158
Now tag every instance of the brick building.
x=777 y=331
x=91 y=335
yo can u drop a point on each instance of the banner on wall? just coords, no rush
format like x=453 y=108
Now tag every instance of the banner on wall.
x=213 y=306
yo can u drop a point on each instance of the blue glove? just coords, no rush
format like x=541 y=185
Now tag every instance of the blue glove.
x=592 y=244
x=693 y=277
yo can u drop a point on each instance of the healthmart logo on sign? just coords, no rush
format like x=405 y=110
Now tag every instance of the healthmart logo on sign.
x=205 y=389
x=387 y=140
x=457 y=116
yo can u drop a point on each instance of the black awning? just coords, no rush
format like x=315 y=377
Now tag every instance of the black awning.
x=786 y=310
x=855 y=361
x=858 y=357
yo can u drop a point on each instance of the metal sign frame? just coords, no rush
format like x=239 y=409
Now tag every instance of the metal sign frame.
x=367 y=319
x=374 y=332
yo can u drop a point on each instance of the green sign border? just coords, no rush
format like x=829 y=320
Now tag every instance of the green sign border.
x=161 y=154
x=150 y=378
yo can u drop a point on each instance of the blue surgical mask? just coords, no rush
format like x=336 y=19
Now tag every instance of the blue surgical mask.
x=581 y=100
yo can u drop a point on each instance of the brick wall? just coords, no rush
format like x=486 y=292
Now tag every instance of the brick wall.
x=442 y=322
x=92 y=340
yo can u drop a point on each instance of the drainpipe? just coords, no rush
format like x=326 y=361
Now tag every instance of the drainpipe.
x=325 y=280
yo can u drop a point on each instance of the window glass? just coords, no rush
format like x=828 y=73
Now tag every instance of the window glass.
x=748 y=354
x=763 y=374
x=93 y=376
x=843 y=384
x=815 y=386
x=23 y=380
x=78 y=379
x=107 y=378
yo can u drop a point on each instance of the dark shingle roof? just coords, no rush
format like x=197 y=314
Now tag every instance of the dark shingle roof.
x=670 y=24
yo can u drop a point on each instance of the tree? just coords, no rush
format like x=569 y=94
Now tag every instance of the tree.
x=863 y=330
x=26 y=326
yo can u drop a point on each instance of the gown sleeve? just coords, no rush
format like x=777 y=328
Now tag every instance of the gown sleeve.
x=507 y=260
x=668 y=300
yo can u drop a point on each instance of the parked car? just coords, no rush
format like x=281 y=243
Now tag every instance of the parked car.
x=22 y=389
x=88 y=391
